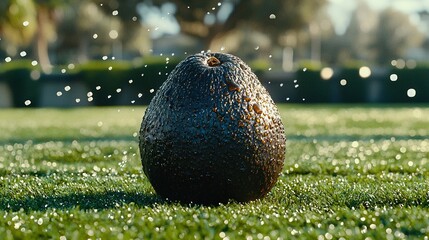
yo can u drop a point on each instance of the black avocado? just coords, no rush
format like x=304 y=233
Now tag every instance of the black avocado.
x=212 y=133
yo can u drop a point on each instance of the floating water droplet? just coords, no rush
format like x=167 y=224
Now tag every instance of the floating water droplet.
x=77 y=100
x=25 y=23
x=272 y=16
x=100 y=124
x=364 y=72
x=113 y=34
x=110 y=68
x=130 y=81
x=411 y=92
x=109 y=96
x=95 y=36
x=27 y=102
x=34 y=63
x=67 y=88
x=98 y=88
x=118 y=90
x=270 y=56
x=393 y=77
x=23 y=53
x=281 y=84
x=304 y=69
x=343 y=82
x=104 y=57
x=115 y=13
x=8 y=59
x=63 y=70
x=89 y=94
x=219 y=4
x=257 y=48
x=287 y=99
x=327 y=73
x=59 y=93
x=297 y=85
x=152 y=90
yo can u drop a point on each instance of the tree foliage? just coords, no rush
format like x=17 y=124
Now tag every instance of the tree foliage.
x=395 y=35
x=208 y=20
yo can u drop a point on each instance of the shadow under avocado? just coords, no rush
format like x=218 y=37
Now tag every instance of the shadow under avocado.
x=85 y=201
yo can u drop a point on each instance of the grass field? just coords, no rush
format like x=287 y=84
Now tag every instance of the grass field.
x=350 y=173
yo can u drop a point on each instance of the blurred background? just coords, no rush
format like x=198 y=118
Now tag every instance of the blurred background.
x=109 y=52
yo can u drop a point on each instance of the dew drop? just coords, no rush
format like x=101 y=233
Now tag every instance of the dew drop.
x=272 y=16
x=67 y=88
x=77 y=100
x=25 y=23
x=27 y=102
x=343 y=82
x=59 y=93
x=98 y=88
x=152 y=90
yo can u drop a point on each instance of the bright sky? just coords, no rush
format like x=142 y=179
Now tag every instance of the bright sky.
x=341 y=10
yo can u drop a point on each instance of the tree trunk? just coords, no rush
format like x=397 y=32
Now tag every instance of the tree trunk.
x=42 y=45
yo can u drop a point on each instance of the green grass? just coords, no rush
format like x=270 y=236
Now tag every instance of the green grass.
x=350 y=173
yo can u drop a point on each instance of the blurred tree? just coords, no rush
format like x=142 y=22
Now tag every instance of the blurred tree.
x=47 y=19
x=17 y=23
x=95 y=28
x=359 y=34
x=394 y=36
x=208 y=20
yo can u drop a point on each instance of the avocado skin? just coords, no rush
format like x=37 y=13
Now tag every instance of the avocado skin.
x=212 y=134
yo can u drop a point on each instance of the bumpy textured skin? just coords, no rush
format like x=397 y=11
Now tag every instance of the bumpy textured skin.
x=212 y=133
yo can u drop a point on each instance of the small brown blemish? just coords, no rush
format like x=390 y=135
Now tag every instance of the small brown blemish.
x=213 y=61
x=256 y=108
x=232 y=86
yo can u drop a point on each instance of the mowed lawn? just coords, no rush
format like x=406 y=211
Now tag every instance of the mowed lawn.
x=350 y=173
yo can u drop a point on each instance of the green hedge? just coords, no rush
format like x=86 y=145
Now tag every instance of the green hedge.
x=26 y=81
x=23 y=85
